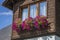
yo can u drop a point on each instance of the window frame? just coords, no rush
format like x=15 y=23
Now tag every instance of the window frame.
x=34 y=3
x=33 y=10
x=46 y=8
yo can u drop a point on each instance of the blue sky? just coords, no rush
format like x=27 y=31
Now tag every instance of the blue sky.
x=5 y=16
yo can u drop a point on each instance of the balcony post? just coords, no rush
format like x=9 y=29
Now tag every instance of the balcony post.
x=38 y=9
x=28 y=10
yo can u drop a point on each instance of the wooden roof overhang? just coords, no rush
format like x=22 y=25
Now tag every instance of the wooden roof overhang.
x=9 y=3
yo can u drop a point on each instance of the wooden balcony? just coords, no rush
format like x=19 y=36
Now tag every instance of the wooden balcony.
x=25 y=34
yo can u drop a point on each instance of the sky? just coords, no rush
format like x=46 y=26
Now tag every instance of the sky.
x=5 y=16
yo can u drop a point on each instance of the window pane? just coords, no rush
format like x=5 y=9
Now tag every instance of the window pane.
x=33 y=11
x=24 y=14
x=43 y=8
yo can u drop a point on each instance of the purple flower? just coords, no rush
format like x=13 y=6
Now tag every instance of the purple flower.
x=25 y=26
x=36 y=25
x=36 y=22
x=14 y=27
x=28 y=27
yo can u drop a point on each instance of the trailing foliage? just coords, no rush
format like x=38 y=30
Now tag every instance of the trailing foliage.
x=29 y=24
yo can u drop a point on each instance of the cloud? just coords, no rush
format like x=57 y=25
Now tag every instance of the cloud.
x=1 y=1
x=6 y=13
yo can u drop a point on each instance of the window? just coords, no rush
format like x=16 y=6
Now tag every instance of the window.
x=43 y=9
x=33 y=8
x=24 y=14
x=33 y=11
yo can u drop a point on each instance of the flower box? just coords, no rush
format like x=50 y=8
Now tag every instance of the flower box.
x=32 y=27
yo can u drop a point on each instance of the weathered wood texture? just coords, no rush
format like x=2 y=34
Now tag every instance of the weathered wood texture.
x=15 y=15
x=57 y=16
x=53 y=14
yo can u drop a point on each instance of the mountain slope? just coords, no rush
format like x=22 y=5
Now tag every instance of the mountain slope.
x=5 y=34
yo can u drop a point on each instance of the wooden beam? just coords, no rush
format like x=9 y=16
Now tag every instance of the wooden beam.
x=20 y=12
x=28 y=10
x=38 y=9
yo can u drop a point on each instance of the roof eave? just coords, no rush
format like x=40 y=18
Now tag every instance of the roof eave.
x=6 y=4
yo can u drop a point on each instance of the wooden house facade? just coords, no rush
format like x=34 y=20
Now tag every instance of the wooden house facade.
x=52 y=14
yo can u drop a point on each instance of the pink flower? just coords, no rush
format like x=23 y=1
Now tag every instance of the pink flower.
x=25 y=26
x=28 y=27
x=36 y=25
x=39 y=20
x=14 y=27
